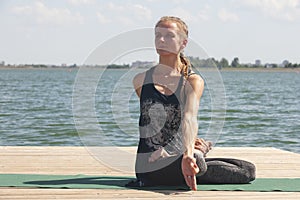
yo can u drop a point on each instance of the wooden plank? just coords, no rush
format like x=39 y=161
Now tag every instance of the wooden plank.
x=55 y=160
x=270 y=162
x=133 y=194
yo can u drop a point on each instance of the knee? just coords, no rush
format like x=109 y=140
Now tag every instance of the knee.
x=201 y=163
x=251 y=171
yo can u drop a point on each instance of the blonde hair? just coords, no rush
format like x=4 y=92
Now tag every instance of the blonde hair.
x=184 y=29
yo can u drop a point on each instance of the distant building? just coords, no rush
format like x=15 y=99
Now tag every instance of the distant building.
x=143 y=64
x=268 y=65
x=258 y=63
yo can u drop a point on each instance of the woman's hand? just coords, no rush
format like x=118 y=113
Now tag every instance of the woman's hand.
x=189 y=171
x=159 y=153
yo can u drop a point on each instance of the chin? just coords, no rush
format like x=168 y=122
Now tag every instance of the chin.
x=164 y=52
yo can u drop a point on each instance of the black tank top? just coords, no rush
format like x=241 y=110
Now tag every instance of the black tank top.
x=160 y=118
x=160 y=126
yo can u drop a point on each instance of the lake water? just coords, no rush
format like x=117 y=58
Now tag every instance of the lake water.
x=37 y=108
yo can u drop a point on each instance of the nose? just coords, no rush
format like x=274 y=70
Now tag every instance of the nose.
x=161 y=39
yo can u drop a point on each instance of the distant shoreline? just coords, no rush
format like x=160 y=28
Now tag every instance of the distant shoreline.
x=229 y=69
x=261 y=69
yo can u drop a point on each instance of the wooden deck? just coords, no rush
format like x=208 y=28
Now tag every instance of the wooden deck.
x=270 y=162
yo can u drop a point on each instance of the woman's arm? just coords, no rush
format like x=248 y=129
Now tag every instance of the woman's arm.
x=193 y=91
x=138 y=83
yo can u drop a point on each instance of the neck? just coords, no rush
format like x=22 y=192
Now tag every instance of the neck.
x=170 y=61
x=169 y=65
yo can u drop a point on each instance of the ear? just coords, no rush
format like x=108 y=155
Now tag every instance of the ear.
x=184 y=43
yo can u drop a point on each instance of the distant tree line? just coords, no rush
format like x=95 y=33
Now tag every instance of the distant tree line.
x=196 y=61
x=114 y=66
x=235 y=63
x=38 y=66
x=110 y=66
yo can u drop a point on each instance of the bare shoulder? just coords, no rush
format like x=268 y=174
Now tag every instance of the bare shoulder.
x=138 y=81
x=195 y=80
x=196 y=85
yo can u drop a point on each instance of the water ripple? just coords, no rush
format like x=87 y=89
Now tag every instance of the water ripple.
x=263 y=109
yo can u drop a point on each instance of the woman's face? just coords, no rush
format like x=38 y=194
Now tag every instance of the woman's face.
x=168 y=39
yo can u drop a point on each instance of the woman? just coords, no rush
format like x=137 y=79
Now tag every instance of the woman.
x=168 y=151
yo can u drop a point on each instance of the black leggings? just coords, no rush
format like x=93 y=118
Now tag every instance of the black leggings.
x=212 y=170
x=227 y=170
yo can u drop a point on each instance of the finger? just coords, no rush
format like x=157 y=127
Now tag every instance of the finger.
x=204 y=142
x=199 y=141
x=194 y=166
x=197 y=147
x=200 y=148
x=154 y=156
x=209 y=144
x=191 y=182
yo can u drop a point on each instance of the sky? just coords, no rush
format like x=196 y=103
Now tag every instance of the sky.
x=67 y=31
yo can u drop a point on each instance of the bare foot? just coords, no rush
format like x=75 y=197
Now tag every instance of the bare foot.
x=203 y=146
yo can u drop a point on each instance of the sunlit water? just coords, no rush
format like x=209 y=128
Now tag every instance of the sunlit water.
x=262 y=109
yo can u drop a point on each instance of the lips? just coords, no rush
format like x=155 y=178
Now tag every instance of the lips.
x=162 y=47
x=164 y=50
